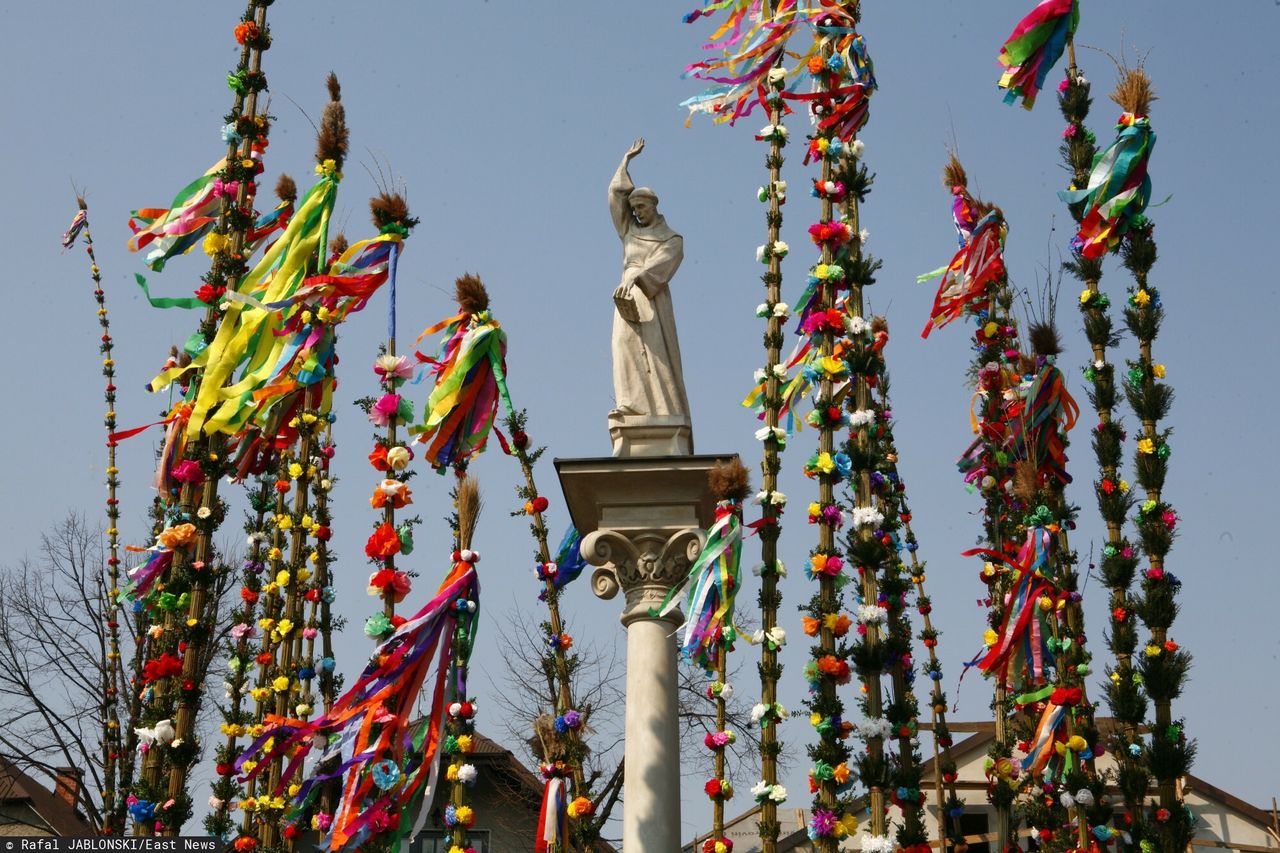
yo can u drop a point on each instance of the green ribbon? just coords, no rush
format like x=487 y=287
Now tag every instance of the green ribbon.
x=1038 y=695
x=168 y=301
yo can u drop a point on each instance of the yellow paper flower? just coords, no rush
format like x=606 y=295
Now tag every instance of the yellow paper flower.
x=990 y=637
x=815 y=719
x=466 y=815
x=451 y=773
x=295 y=470
x=1124 y=485
x=1142 y=299
x=282 y=577
x=1158 y=370
x=280 y=684
x=284 y=626
x=216 y=243
x=259 y=694
x=825 y=464
x=1146 y=445
x=1153 y=651
x=466 y=744
x=1085 y=296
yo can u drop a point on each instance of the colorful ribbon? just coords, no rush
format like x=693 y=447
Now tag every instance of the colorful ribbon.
x=1119 y=189
x=1034 y=47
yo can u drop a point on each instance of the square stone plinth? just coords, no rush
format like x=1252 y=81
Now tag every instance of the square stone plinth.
x=650 y=435
x=630 y=495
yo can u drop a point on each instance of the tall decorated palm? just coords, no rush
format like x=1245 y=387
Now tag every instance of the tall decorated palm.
x=750 y=71
x=113 y=683
x=838 y=104
x=220 y=208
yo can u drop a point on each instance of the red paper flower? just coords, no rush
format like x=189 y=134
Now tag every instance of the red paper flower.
x=378 y=458
x=384 y=543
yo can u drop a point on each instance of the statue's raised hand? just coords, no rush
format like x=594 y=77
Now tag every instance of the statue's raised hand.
x=635 y=149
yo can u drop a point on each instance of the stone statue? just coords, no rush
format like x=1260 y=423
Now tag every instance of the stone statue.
x=647 y=376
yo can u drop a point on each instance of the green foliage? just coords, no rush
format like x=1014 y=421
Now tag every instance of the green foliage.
x=1164 y=675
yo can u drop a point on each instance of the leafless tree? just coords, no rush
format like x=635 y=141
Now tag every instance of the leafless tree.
x=527 y=697
x=57 y=692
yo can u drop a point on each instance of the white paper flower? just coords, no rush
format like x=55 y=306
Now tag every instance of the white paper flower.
x=777 y=636
x=858 y=146
x=866 y=516
x=760 y=254
x=782 y=310
x=780 y=248
x=777 y=75
x=856 y=325
x=871 y=614
x=758 y=712
x=878 y=844
x=780 y=371
x=863 y=236
x=760 y=789
x=726 y=692
x=1084 y=797
x=762 y=310
x=778 y=794
x=862 y=417
x=1067 y=800
x=467 y=774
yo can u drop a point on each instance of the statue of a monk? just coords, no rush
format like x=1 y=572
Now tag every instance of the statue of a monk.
x=647 y=376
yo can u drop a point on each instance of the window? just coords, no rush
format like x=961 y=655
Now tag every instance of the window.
x=972 y=823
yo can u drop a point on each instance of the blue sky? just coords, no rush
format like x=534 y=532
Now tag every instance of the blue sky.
x=505 y=125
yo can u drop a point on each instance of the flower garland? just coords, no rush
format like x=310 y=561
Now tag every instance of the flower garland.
x=568 y=815
x=762 y=53
x=1119 y=562
x=838 y=106
x=159 y=805
x=950 y=808
x=710 y=590
x=237 y=720
x=459 y=814
x=286 y=632
x=893 y=596
x=112 y=674
x=985 y=464
x=1163 y=664
x=878 y=647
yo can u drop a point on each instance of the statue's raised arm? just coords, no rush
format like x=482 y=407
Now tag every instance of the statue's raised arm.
x=620 y=190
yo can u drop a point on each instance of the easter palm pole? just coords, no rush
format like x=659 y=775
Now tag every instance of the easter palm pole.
x=771 y=504
x=233 y=225
x=236 y=717
x=826 y=707
x=110 y=666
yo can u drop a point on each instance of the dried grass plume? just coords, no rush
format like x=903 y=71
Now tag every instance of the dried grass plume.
x=729 y=481
x=953 y=173
x=1044 y=338
x=286 y=189
x=332 y=140
x=471 y=295
x=338 y=244
x=387 y=208
x=1134 y=93
x=468 y=510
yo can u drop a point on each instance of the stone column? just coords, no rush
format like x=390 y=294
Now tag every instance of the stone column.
x=642 y=521
x=646 y=568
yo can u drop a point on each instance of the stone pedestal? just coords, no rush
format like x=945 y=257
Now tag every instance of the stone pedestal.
x=650 y=435
x=642 y=521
